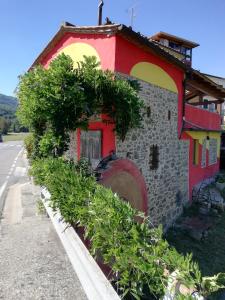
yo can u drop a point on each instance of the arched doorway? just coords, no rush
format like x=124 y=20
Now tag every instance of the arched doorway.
x=125 y=179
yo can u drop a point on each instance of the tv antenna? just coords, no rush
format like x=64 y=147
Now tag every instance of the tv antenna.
x=132 y=13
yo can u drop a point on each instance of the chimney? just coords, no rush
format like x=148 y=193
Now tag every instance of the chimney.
x=101 y=3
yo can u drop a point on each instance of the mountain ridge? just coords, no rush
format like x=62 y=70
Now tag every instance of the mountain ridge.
x=8 y=106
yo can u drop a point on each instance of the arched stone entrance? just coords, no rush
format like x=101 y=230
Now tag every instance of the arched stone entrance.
x=125 y=179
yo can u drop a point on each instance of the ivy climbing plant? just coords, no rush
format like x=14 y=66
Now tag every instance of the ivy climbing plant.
x=61 y=98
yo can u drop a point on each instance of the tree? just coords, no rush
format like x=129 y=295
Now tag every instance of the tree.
x=56 y=100
x=4 y=125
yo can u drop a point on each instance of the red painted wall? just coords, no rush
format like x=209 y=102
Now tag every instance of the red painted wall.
x=202 y=118
x=105 y=47
x=118 y=54
x=196 y=172
x=103 y=44
x=128 y=54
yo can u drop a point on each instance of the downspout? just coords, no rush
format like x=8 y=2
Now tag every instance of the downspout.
x=183 y=107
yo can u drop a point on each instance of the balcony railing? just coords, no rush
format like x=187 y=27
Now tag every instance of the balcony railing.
x=201 y=118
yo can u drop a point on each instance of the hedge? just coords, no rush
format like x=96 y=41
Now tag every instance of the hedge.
x=140 y=259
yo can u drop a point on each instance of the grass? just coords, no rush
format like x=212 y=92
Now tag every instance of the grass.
x=14 y=137
x=210 y=253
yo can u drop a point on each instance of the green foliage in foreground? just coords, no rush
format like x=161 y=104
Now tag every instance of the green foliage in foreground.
x=138 y=255
x=56 y=100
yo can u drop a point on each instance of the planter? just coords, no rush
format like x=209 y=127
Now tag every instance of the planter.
x=220 y=185
x=90 y=272
x=94 y=282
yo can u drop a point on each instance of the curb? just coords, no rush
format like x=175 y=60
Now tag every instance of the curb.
x=95 y=284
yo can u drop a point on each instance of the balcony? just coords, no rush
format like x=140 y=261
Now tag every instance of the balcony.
x=201 y=119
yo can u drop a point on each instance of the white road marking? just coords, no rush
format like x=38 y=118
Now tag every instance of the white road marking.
x=13 y=206
x=3 y=187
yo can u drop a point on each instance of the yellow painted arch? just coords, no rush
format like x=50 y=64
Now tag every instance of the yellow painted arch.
x=153 y=74
x=77 y=51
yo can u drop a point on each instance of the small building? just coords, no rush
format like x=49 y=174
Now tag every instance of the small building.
x=178 y=145
x=177 y=46
x=201 y=128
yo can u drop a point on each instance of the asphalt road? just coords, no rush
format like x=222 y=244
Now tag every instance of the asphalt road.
x=8 y=153
x=33 y=262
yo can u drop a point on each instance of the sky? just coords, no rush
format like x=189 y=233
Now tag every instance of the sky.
x=26 y=27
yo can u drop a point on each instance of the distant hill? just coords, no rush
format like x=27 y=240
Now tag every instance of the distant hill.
x=8 y=106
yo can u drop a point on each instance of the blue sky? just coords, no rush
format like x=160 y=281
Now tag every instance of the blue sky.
x=26 y=26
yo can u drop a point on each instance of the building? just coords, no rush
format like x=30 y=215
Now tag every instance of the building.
x=179 y=143
x=219 y=108
x=205 y=135
x=178 y=47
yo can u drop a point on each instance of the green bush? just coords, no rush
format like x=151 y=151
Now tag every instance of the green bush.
x=221 y=179
x=136 y=253
x=29 y=144
x=50 y=143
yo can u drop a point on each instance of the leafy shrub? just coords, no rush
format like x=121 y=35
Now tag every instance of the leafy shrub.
x=137 y=254
x=50 y=143
x=84 y=167
x=29 y=144
x=221 y=179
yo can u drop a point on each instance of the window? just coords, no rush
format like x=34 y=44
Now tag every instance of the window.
x=148 y=111
x=188 y=51
x=183 y=50
x=91 y=146
x=203 y=160
x=154 y=157
x=212 y=107
x=205 y=106
x=175 y=46
x=212 y=151
x=195 y=152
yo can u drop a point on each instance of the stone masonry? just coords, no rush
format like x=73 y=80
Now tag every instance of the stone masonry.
x=168 y=184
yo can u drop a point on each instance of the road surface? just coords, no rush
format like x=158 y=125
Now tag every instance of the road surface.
x=9 y=153
x=33 y=262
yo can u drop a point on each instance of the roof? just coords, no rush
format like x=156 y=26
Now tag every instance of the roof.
x=111 y=29
x=213 y=76
x=137 y=39
x=174 y=38
x=204 y=83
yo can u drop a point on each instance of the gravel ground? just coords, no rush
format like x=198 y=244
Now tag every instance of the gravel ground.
x=33 y=263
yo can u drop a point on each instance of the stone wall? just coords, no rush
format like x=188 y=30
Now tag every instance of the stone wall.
x=168 y=184
x=72 y=151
